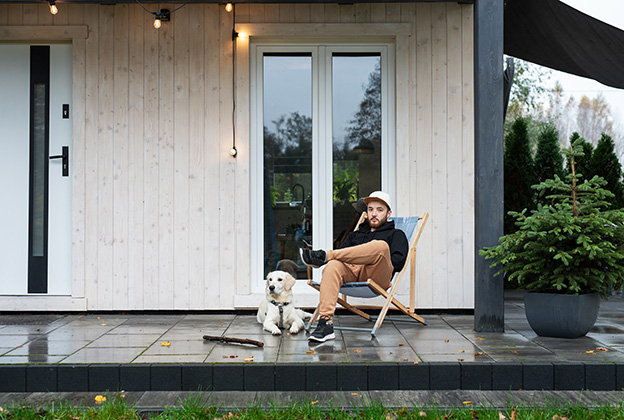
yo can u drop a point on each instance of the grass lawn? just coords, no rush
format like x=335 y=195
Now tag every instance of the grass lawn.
x=116 y=407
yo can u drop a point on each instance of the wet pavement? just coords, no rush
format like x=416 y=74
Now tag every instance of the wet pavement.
x=177 y=338
x=158 y=360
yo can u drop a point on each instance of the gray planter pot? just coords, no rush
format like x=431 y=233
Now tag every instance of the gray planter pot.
x=564 y=316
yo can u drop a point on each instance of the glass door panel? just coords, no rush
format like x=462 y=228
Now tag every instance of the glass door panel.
x=356 y=135
x=287 y=161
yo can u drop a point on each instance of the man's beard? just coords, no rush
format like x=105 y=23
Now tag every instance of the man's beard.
x=377 y=223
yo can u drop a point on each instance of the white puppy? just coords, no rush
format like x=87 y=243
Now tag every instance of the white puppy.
x=278 y=305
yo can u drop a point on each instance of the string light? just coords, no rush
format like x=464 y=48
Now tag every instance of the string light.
x=164 y=14
x=53 y=8
x=229 y=7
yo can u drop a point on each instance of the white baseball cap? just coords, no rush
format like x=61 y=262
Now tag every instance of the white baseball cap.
x=379 y=196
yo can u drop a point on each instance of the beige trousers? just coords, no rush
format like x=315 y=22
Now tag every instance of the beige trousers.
x=356 y=263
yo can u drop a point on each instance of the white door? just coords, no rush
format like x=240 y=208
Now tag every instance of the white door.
x=35 y=214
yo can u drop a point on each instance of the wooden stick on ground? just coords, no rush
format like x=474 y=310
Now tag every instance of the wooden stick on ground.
x=224 y=339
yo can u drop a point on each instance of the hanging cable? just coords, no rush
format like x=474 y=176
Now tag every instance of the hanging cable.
x=233 y=150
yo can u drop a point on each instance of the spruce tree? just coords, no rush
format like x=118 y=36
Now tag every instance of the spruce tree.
x=519 y=172
x=606 y=164
x=573 y=245
x=548 y=159
x=584 y=164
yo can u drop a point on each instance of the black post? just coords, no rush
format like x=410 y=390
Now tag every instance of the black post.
x=488 y=44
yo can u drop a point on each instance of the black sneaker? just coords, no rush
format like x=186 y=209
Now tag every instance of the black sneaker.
x=324 y=331
x=313 y=259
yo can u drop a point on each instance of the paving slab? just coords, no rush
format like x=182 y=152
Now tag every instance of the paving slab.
x=447 y=342
x=318 y=399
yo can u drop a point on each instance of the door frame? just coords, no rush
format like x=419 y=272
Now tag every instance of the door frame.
x=77 y=35
x=395 y=36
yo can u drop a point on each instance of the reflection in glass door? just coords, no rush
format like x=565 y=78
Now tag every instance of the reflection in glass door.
x=356 y=135
x=287 y=149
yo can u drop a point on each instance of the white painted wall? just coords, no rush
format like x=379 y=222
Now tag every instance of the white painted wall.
x=160 y=212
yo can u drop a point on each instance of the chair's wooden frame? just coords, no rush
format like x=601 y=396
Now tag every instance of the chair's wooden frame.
x=388 y=295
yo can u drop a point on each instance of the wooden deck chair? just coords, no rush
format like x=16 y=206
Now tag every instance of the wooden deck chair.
x=413 y=227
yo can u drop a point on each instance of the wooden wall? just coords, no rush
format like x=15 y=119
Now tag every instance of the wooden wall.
x=160 y=208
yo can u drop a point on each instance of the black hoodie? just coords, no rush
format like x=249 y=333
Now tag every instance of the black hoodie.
x=395 y=238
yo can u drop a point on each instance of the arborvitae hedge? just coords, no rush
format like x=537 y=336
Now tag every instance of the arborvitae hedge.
x=607 y=165
x=519 y=172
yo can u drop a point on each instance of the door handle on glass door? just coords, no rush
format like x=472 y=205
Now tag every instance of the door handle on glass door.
x=65 y=161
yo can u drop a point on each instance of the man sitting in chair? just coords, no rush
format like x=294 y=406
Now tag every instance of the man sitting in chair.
x=375 y=251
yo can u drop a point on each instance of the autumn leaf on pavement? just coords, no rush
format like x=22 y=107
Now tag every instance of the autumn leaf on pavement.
x=446 y=340
x=166 y=344
x=601 y=349
x=357 y=351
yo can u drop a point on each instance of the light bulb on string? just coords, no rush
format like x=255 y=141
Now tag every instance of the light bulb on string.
x=229 y=7
x=53 y=8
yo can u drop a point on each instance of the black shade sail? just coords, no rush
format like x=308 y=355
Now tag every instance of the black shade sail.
x=553 y=34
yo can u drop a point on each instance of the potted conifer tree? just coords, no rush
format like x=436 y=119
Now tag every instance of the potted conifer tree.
x=566 y=254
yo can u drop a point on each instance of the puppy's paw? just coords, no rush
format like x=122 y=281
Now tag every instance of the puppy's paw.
x=294 y=329
x=276 y=331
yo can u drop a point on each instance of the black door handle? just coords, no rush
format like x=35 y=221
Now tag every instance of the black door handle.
x=65 y=162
